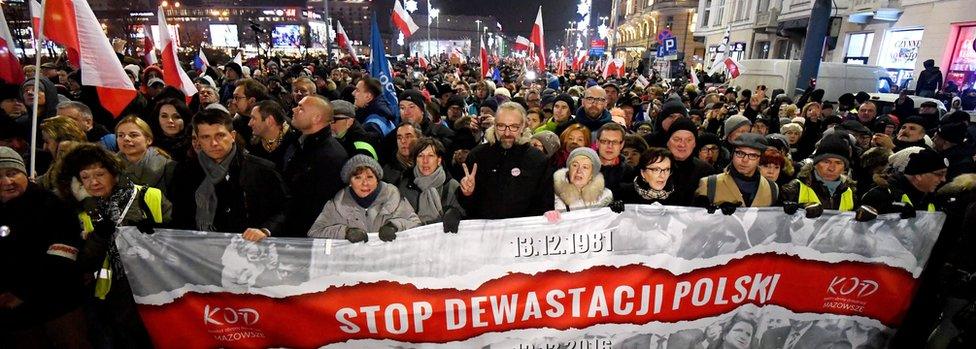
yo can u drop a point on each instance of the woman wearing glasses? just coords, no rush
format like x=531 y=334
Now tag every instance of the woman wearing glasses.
x=653 y=183
x=741 y=185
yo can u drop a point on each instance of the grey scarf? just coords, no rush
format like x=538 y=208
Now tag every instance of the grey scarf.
x=206 y=194
x=143 y=171
x=430 y=208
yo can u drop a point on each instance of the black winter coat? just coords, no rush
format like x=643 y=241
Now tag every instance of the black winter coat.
x=43 y=230
x=685 y=175
x=510 y=183
x=312 y=176
x=252 y=195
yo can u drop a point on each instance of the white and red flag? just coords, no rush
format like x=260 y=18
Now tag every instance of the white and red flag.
x=173 y=73
x=423 y=62
x=10 y=70
x=539 y=41
x=343 y=40
x=579 y=60
x=148 y=46
x=402 y=20
x=36 y=11
x=522 y=44
x=484 y=57
x=733 y=66
x=561 y=67
x=614 y=67
x=72 y=24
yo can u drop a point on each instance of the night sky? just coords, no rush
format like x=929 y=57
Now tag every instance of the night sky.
x=516 y=16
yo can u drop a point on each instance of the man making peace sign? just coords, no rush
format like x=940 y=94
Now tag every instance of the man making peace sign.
x=506 y=177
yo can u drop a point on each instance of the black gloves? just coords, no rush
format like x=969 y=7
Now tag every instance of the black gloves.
x=790 y=207
x=388 y=232
x=617 y=206
x=451 y=221
x=865 y=213
x=814 y=210
x=355 y=235
x=728 y=208
x=711 y=209
x=146 y=227
x=905 y=211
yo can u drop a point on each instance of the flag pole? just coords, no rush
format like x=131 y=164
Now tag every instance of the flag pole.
x=37 y=87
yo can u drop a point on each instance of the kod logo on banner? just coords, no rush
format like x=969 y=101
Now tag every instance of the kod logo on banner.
x=230 y=316
x=848 y=286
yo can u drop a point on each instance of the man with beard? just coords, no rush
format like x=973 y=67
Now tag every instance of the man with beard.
x=911 y=134
x=592 y=113
x=508 y=177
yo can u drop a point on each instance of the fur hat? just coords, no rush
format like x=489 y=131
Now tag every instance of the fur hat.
x=358 y=161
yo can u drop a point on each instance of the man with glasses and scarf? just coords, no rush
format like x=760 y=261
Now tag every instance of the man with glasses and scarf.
x=740 y=185
x=592 y=113
x=508 y=177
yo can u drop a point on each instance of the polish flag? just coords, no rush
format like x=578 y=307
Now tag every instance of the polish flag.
x=148 y=46
x=694 y=78
x=521 y=44
x=36 y=10
x=579 y=60
x=484 y=57
x=538 y=39
x=10 y=70
x=402 y=20
x=614 y=67
x=72 y=24
x=343 y=40
x=239 y=58
x=173 y=73
x=561 y=67
x=733 y=66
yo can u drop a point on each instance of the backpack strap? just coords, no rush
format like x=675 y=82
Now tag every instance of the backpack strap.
x=711 y=182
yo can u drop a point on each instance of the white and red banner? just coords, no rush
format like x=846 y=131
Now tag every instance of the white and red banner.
x=402 y=20
x=733 y=67
x=72 y=24
x=148 y=46
x=36 y=10
x=650 y=277
x=173 y=73
x=343 y=40
x=483 y=56
x=10 y=69
x=521 y=44
x=614 y=67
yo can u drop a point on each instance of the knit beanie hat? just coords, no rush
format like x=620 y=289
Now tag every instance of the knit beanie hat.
x=833 y=146
x=490 y=103
x=568 y=99
x=10 y=159
x=684 y=124
x=415 y=97
x=589 y=153
x=734 y=122
x=708 y=138
x=549 y=140
x=925 y=161
x=673 y=106
x=358 y=161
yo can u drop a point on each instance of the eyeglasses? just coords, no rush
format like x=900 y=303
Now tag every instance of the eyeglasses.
x=655 y=170
x=237 y=98
x=744 y=155
x=610 y=142
x=594 y=99
x=512 y=127
x=710 y=148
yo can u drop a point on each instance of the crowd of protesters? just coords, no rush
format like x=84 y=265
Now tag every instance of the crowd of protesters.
x=311 y=148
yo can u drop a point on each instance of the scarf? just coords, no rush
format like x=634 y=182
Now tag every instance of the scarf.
x=831 y=185
x=206 y=194
x=111 y=208
x=429 y=206
x=140 y=170
x=369 y=199
x=648 y=193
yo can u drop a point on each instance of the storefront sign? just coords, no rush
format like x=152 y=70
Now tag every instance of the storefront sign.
x=900 y=49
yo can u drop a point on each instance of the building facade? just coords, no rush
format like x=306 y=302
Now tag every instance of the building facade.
x=639 y=22
x=898 y=35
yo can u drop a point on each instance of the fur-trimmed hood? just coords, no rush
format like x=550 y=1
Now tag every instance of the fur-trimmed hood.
x=568 y=192
x=959 y=185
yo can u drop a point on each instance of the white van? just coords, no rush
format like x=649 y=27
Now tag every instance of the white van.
x=834 y=78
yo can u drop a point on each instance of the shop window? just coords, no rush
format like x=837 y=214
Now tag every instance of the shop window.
x=962 y=69
x=859 y=48
x=762 y=50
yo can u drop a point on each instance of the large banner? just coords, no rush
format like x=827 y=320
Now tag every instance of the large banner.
x=650 y=277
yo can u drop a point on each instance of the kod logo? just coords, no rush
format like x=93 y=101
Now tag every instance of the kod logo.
x=229 y=316
x=846 y=286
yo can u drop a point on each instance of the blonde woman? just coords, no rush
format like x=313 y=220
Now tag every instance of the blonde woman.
x=143 y=163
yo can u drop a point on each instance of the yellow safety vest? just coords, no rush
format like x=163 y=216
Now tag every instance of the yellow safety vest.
x=905 y=199
x=103 y=279
x=808 y=196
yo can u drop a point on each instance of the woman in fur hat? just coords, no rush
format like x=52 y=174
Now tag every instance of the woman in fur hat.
x=580 y=184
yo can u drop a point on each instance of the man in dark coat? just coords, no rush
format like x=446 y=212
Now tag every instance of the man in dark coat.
x=41 y=292
x=687 y=169
x=929 y=80
x=312 y=172
x=613 y=166
x=506 y=178
x=592 y=113
x=226 y=189
x=350 y=133
x=272 y=133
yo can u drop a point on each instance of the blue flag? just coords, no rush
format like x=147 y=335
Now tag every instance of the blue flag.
x=379 y=68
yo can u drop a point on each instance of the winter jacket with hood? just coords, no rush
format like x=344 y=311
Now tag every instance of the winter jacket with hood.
x=342 y=212
x=568 y=197
x=790 y=192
